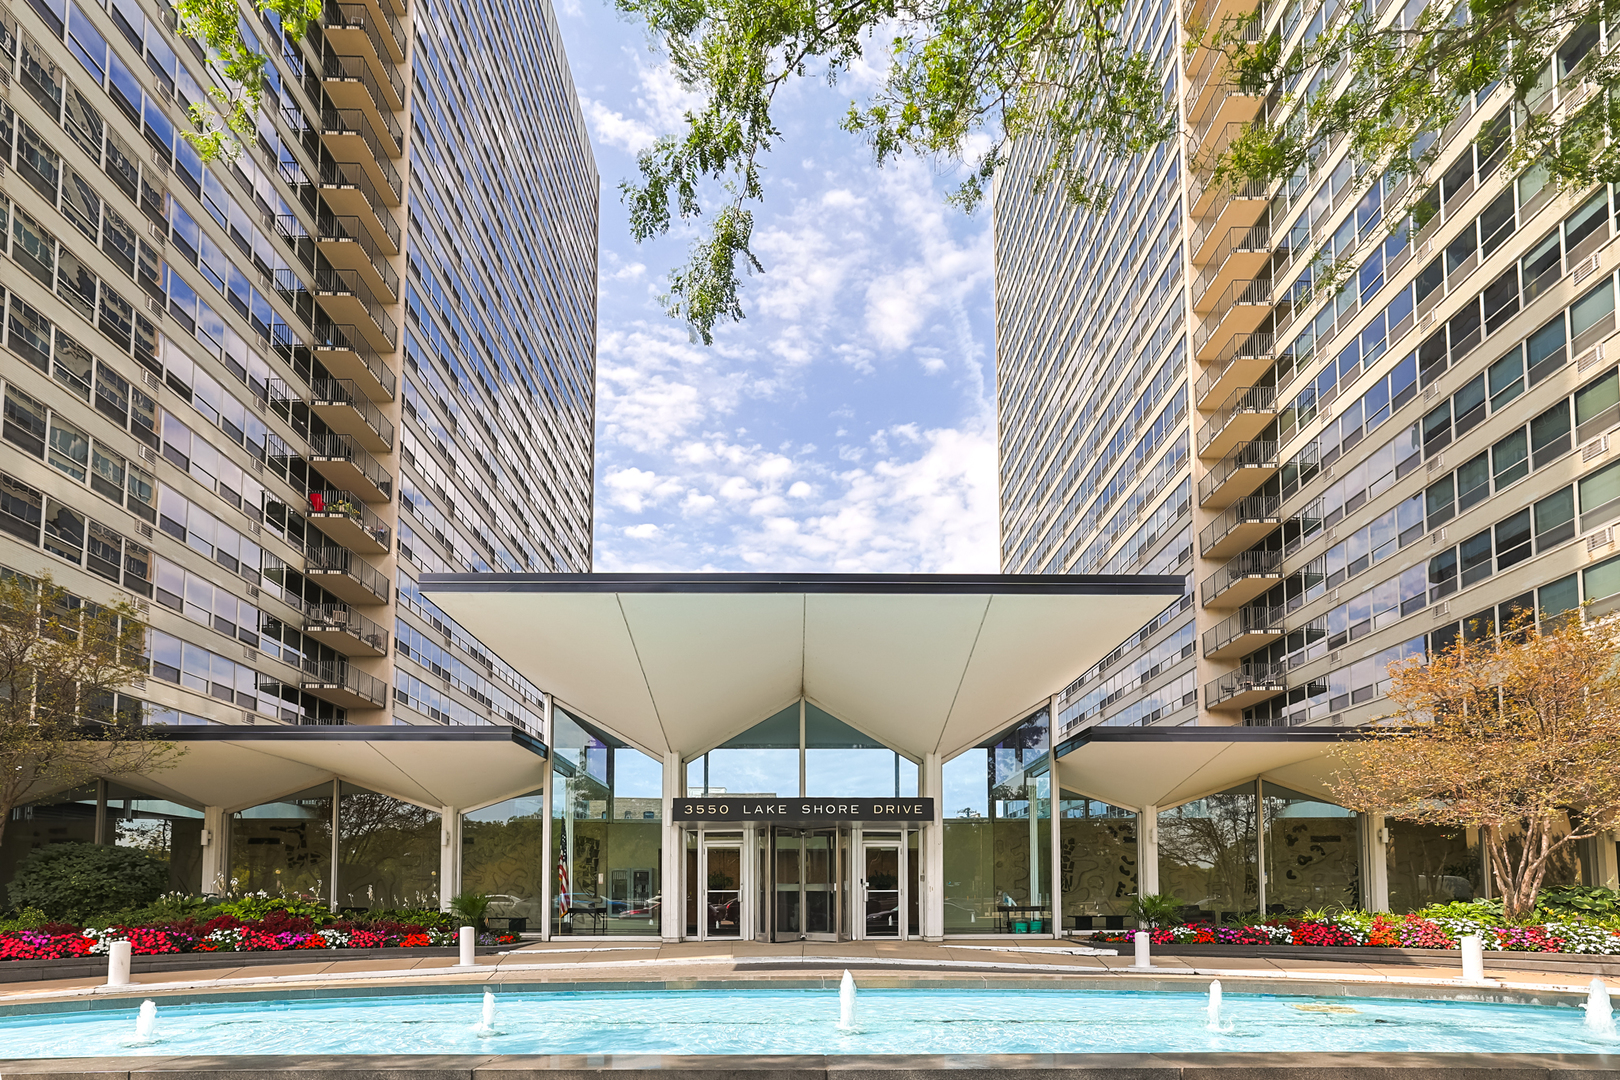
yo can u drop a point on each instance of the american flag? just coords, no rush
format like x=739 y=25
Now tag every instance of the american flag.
x=562 y=870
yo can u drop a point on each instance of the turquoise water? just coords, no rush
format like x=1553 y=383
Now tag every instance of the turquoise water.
x=768 y=1021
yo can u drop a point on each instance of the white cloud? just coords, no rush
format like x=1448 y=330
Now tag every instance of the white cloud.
x=616 y=129
x=644 y=531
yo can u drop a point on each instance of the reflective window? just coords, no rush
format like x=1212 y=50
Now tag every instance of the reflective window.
x=388 y=852
x=607 y=808
x=1207 y=855
x=997 y=838
x=168 y=831
x=503 y=856
x=284 y=847
x=1098 y=861
x=1313 y=853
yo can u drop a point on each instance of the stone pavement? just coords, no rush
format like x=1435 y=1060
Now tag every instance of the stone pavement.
x=646 y=965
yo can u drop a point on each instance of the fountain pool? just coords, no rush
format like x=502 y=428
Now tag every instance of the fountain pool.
x=767 y=1020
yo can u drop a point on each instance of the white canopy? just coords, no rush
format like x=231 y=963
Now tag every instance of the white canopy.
x=682 y=662
x=1164 y=767
x=236 y=766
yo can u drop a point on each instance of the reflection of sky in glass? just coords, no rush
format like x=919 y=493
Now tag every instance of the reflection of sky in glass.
x=524 y=806
x=753 y=771
x=852 y=773
x=966 y=786
x=636 y=776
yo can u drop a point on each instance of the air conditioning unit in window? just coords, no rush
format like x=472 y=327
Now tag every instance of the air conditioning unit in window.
x=1595 y=449
x=1443 y=609
x=1590 y=358
x=143 y=530
x=148 y=456
x=154 y=307
x=1600 y=539
x=1587 y=267
x=157 y=233
x=249 y=654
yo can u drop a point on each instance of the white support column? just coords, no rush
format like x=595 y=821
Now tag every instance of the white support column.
x=216 y=866
x=1054 y=873
x=1147 y=852
x=549 y=873
x=1375 y=868
x=449 y=855
x=1606 y=865
x=931 y=850
x=672 y=910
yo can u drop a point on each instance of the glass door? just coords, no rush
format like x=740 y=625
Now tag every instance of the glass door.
x=880 y=890
x=787 y=868
x=721 y=873
x=820 y=885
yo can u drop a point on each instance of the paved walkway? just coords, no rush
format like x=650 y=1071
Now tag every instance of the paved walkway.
x=623 y=965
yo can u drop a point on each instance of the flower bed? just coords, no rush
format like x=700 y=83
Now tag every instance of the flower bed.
x=226 y=934
x=1429 y=929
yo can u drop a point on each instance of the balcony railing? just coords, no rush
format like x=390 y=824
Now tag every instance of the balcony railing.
x=1249 y=510
x=352 y=174
x=359 y=17
x=355 y=69
x=1248 y=564
x=1251 y=681
x=346 y=504
x=346 y=339
x=354 y=122
x=343 y=448
x=1247 y=401
x=320 y=618
x=324 y=560
x=1250 y=620
x=349 y=230
x=332 y=282
x=343 y=392
x=1254 y=454
x=342 y=676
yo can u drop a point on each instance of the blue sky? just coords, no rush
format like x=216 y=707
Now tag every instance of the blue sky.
x=848 y=424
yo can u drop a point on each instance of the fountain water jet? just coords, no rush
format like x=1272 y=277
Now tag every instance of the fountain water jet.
x=1214 y=1008
x=846 y=1002
x=146 y=1022
x=1599 y=1012
x=486 y=1024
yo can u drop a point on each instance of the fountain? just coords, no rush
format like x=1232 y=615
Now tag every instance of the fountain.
x=846 y=1002
x=146 y=1022
x=1599 y=1012
x=1214 y=1007
x=486 y=1025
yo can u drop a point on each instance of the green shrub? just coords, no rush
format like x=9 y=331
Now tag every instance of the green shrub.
x=29 y=918
x=1157 y=909
x=470 y=907
x=258 y=905
x=77 y=882
x=1592 y=901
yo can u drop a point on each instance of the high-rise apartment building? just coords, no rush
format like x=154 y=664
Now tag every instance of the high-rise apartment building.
x=259 y=397
x=1346 y=477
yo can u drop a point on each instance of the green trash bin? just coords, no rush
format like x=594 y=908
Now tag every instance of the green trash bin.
x=1035 y=926
x=1020 y=927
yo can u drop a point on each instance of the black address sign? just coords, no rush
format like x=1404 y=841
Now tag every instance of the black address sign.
x=798 y=811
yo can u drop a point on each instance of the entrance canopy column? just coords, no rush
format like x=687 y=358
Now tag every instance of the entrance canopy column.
x=932 y=852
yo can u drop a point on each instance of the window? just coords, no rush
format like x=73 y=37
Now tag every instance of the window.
x=1549 y=434
x=1592 y=316
x=1468 y=406
x=1507 y=378
x=1597 y=406
x=1545 y=349
x=1440 y=501
x=1474 y=558
x=1442 y=575
x=1473 y=482
x=1513 y=540
x=69 y=449
x=1558 y=597
x=1600 y=496
x=1437 y=428
x=107 y=473
x=1555 y=519
x=24 y=422
x=1510 y=460
x=1603 y=580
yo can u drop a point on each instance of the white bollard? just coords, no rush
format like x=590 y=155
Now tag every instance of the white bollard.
x=1473 y=958
x=118 y=964
x=466 y=941
x=1143 y=957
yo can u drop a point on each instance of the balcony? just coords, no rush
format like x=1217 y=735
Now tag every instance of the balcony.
x=345 y=630
x=346 y=356
x=354 y=82
x=1250 y=629
x=1208 y=72
x=349 y=136
x=345 y=463
x=1241 y=525
x=347 y=299
x=1238 y=474
x=348 y=245
x=1236 y=255
x=1248 y=685
x=348 y=412
x=345 y=575
x=1237 y=311
x=1243 y=361
x=1242 y=579
x=348 y=189
x=340 y=683
x=344 y=518
x=356 y=29
x=1244 y=416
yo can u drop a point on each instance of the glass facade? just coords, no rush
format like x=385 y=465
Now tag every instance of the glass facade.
x=997 y=836
x=1431 y=864
x=1313 y=853
x=388 y=852
x=60 y=819
x=1207 y=854
x=284 y=847
x=166 y=830
x=833 y=758
x=503 y=855
x=607 y=833
x=1098 y=857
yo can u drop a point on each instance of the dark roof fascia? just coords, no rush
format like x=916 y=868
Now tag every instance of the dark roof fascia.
x=859 y=584
x=352 y=733
x=1232 y=734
